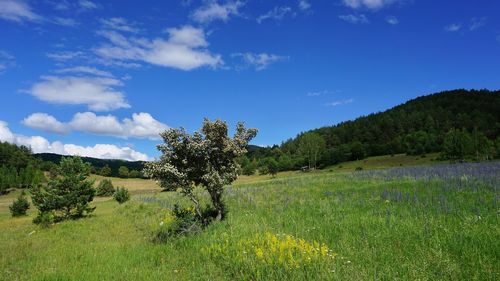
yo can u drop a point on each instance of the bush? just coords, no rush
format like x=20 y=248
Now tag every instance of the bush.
x=44 y=219
x=105 y=188
x=67 y=196
x=20 y=206
x=359 y=169
x=121 y=195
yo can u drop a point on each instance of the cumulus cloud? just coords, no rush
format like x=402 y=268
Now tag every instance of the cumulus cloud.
x=277 y=13
x=259 y=61
x=119 y=24
x=18 y=11
x=141 y=125
x=212 y=11
x=354 y=19
x=369 y=4
x=40 y=144
x=45 y=122
x=97 y=93
x=453 y=27
x=185 y=49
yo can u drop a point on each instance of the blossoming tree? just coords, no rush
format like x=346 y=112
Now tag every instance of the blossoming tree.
x=206 y=158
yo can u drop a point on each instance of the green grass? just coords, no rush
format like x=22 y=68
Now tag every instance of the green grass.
x=374 y=237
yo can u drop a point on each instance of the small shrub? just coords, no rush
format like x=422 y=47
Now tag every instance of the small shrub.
x=20 y=206
x=44 y=219
x=359 y=169
x=105 y=188
x=121 y=195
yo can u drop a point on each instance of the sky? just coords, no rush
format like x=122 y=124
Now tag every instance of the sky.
x=103 y=79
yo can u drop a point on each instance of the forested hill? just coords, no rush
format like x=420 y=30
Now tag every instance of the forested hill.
x=416 y=127
x=97 y=164
x=428 y=117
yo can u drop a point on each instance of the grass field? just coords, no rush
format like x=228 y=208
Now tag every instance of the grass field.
x=427 y=223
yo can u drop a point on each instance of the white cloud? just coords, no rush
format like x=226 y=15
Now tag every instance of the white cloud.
x=259 y=61
x=85 y=70
x=18 y=11
x=304 y=5
x=212 y=11
x=40 y=144
x=185 y=49
x=354 y=19
x=369 y=4
x=141 y=125
x=65 y=55
x=119 y=24
x=96 y=92
x=339 y=102
x=278 y=13
x=65 y=21
x=88 y=5
x=392 y=20
x=6 y=60
x=45 y=122
x=477 y=23
x=453 y=27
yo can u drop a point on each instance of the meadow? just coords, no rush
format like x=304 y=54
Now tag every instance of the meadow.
x=438 y=222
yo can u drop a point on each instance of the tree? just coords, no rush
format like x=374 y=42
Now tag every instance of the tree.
x=135 y=174
x=68 y=195
x=105 y=171
x=105 y=188
x=272 y=167
x=482 y=147
x=206 y=158
x=311 y=145
x=121 y=195
x=123 y=172
x=457 y=145
x=20 y=206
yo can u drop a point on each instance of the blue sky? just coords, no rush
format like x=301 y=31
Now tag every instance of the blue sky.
x=102 y=79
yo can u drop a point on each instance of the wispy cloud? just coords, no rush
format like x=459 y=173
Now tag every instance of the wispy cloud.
x=6 y=60
x=259 y=61
x=354 y=19
x=40 y=144
x=85 y=70
x=277 y=13
x=369 y=4
x=477 y=23
x=454 y=27
x=304 y=5
x=119 y=24
x=339 y=102
x=88 y=5
x=18 y=11
x=65 y=55
x=392 y=20
x=185 y=49
x=213 y=11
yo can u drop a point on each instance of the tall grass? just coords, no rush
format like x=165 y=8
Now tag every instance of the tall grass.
x=439 y=223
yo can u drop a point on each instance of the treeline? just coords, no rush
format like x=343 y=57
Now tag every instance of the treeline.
x=433 y=123
x=104 y=167
x=18 y=168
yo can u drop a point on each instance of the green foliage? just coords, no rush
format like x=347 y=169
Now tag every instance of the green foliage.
x=123 y=172
x=45 y=219
x=135 y=174
x=121 y=195
x=19 y=206
x=457 y=145
x=419 y=143
x=105 y=188
x=67 y=196
x=105 y=171
x=311 y=145
x=207 y=158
